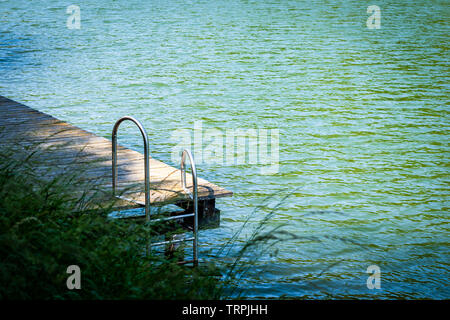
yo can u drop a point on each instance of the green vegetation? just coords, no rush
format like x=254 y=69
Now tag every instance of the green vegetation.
x=44 y=228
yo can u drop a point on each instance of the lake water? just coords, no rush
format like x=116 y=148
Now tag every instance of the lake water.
x=363 y=120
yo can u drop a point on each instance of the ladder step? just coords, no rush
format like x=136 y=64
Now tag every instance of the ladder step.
x=187 y=261
x=181 y=216
x=139 y=203
x=142 y=216
x=172 y=241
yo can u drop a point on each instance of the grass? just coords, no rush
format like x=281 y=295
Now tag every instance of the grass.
x=45 y=227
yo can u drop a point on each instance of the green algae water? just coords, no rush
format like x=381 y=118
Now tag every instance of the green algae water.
x=363 y=120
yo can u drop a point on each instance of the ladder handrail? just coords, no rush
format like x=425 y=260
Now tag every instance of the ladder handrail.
x=146 y=160
x=194 y=195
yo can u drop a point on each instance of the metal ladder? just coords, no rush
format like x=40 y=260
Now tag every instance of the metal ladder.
x=193 y=195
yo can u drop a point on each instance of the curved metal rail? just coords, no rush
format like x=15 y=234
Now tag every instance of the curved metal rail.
x=146 y=160
x=193 y=196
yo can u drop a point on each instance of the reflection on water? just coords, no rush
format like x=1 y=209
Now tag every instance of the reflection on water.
x=363 y=118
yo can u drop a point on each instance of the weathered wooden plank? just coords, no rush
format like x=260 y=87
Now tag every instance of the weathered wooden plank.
x=25 y=117
x=72 y=141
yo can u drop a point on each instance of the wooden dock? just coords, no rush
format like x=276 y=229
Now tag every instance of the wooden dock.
x=66 y=148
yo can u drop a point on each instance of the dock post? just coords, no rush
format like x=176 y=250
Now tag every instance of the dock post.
x=208 y=214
